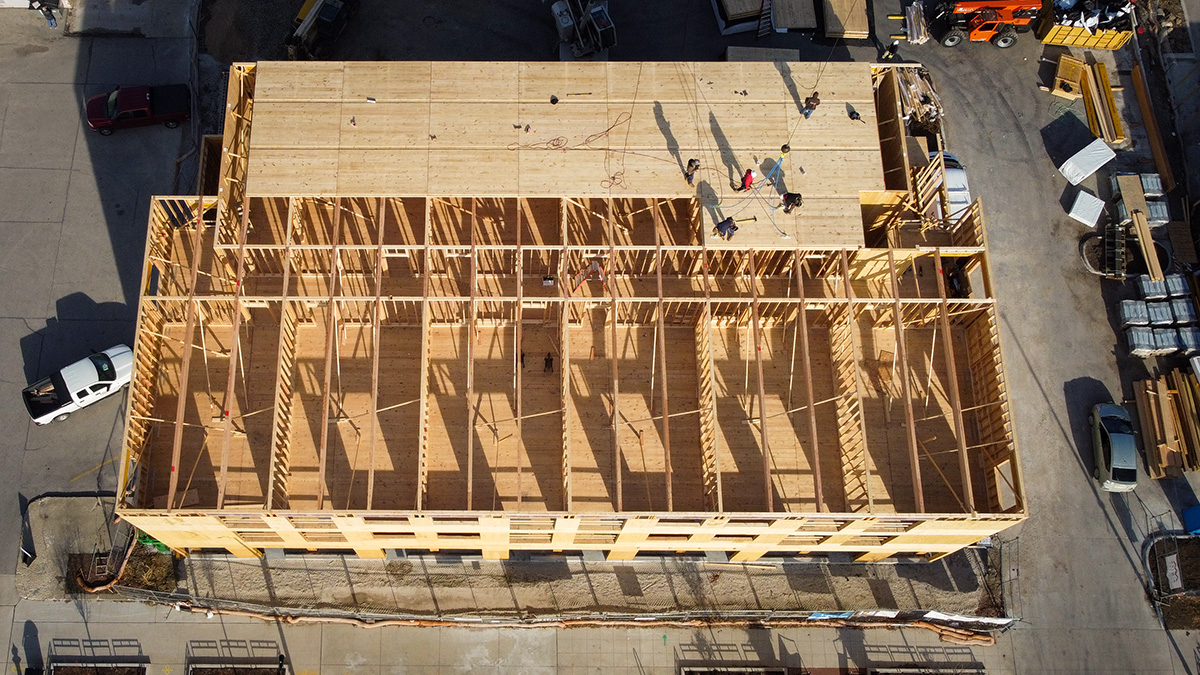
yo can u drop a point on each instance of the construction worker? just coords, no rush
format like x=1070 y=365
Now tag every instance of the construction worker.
x=689 y=173
x=790 y=201
x=725 y=229
x=855 y=116
x=549 y=363
x=810 y=105
x=747 y=181
x=892 y=51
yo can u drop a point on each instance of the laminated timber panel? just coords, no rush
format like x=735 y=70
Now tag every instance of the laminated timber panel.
x=787 y=428
x=541 y=486
x=589 y=414
x=687 y=480
x=250 y=410
x=395 y=486
x=448 y=419
x=739 y=449
x=936 y=441
x=644 y=458
x=307 y=406
x=348 y=453
x=470 y=138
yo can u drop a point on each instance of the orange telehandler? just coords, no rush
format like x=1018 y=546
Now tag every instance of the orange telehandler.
x=994 y=20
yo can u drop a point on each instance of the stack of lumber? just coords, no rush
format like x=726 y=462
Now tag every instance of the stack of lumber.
x=1103 y=118
x=915 y=28
x=918 y=101
x=846 y=19
x=1169 y=415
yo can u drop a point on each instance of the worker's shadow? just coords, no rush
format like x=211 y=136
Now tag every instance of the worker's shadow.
x=711 y=203
x=727 y=158
x=665 y=127
x=785 y=71
x=79 y=326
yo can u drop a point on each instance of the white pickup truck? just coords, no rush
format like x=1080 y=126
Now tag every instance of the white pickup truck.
x=79 y=385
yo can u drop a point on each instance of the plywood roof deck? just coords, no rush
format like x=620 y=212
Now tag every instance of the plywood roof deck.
x=618 y=130
x=369 y=371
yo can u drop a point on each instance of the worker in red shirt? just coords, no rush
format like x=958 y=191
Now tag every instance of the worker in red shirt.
x=747 y=181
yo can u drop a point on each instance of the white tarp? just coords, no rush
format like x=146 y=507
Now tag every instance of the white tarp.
x=1085 y=162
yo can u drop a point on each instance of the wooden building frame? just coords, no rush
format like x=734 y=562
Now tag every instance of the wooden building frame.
x=349 y=372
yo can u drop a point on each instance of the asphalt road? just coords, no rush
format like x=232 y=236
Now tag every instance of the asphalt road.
x=72 y=221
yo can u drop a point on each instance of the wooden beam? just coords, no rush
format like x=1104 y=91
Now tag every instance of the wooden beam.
x=565 y=344
x=612 y=357
x=802 y=326
x=706 y=355
x=518 y=363
x=285 y=357
x=952 y=377
x=335 y=266
x=662 y=360
x=768 y=487
x=910 y=426
x=234 y=357
x=857 y=349
x=186 y=365
x=376 y=310
x=423 y=389
x=471 y=314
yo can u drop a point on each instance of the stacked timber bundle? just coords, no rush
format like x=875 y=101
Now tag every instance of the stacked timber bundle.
x=1092 y=24
x=918 y=101
x=1169 y=414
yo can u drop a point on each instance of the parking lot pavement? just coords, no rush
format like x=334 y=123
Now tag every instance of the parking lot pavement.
x=71 y=242
x=169 y=641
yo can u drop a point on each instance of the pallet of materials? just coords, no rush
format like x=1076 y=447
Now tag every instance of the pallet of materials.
x=1169 y=417
x=846 y=19
x=1052 y=31
x=1103 y=118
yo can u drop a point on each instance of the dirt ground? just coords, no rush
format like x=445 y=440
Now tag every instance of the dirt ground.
x=1182 y=611
x=99 y=670
x=433 y=585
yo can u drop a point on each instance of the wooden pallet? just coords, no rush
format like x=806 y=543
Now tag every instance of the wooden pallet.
x=1067 y=79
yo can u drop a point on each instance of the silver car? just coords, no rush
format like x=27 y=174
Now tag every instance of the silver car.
x=1114 y=448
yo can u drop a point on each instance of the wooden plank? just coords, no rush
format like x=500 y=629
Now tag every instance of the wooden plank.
x=1146 y=243
x=1108 y=105
x=423 y=389
x=280 y=446
x=1150 y=121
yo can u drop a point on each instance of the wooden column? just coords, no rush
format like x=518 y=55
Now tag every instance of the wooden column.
x=616 y=414
x=335 y=266
x=768 y=488
x=285 y=361
x=423 y=389
x=952 y=377
x=234 y=356
x=811 y=401
x=662 y=360
x=376 y=311
x=910 y=427
x=471 y=315
x=186 y=365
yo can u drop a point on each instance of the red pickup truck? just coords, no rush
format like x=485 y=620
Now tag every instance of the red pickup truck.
x=125 y=107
